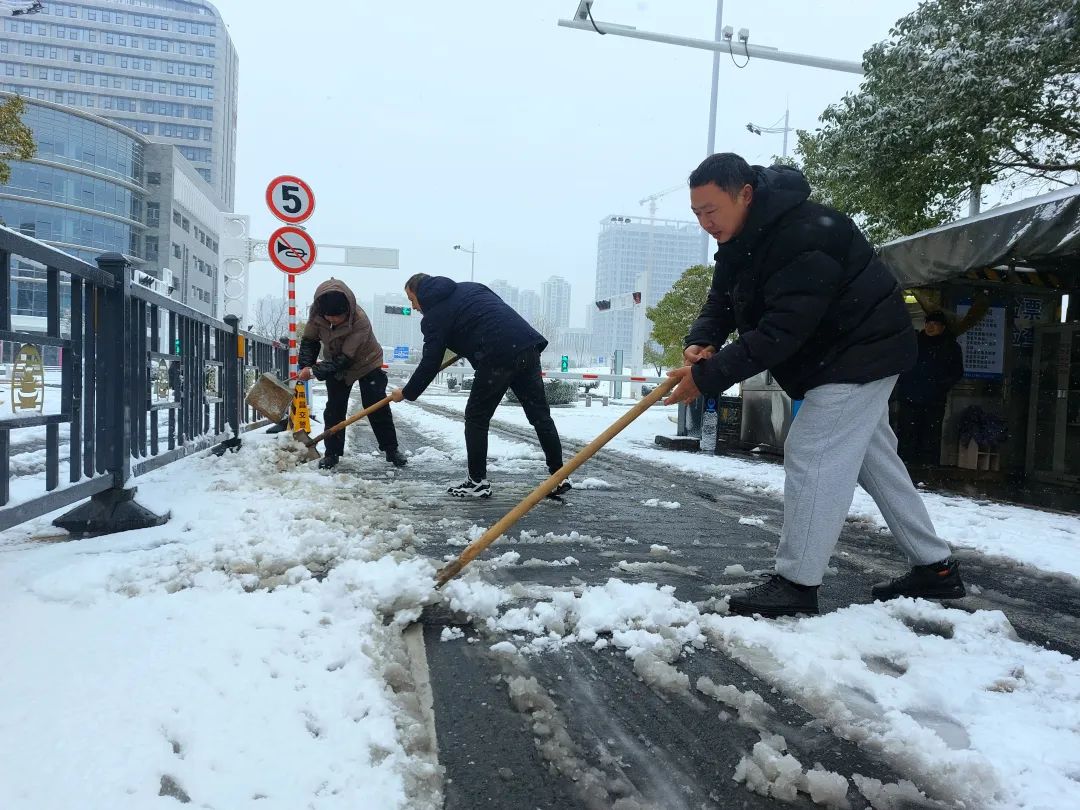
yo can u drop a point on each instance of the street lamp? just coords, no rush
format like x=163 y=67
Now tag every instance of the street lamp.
x=723 y=40
x=471 y=250
x=773 y=130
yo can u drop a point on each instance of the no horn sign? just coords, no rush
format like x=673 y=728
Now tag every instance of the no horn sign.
x=291 y=250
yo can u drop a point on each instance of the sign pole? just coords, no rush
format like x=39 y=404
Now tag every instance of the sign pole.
x=293 y=358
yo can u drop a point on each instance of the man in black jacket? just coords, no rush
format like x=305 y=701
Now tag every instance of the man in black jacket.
x=473 y=322
x=814 y=305
x=922 y=391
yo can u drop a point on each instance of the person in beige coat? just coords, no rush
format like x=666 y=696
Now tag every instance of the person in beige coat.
x=338 y=327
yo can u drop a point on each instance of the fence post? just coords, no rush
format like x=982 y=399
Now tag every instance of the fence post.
x=234 y=384
x=115 y=509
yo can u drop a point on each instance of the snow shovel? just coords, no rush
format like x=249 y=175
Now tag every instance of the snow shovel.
x=274 y=399
x=302 y=436
x=451 y=570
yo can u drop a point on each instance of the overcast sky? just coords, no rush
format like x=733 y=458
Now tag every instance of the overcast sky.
x=427 y=123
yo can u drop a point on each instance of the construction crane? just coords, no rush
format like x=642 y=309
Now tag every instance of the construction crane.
x=652 y=198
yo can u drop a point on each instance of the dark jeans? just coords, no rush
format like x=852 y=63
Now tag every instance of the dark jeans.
x=490 y=384
x=372 y=389
x=918 y=431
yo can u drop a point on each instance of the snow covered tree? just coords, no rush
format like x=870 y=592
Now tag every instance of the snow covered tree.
x=16 y=139
x=964 y=93
x=674 y=313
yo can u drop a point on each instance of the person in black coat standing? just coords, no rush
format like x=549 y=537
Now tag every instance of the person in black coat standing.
x=812 y=304
x=473 y=322
x=921 y=392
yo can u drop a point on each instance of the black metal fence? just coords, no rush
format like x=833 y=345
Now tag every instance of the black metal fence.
x=143 y=379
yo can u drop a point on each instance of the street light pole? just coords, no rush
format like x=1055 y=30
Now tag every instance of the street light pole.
x=711 y=148
x=722 y=41
x=471 y=250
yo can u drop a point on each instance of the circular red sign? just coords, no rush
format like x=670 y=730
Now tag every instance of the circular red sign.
x=292 y=250
x=290 y=199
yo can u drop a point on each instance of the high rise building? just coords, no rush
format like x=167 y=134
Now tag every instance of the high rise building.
x=506 y=291
x=626 y=246
x=164 y=68
x=555 y=298
x=529 y=306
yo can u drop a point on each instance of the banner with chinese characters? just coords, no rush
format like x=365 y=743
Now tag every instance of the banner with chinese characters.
x=1029 y=313
x=984 y=344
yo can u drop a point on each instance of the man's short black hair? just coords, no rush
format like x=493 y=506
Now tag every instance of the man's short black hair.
x=726 y=169
x=332 y=303
x=414 y=281
x=937 y=316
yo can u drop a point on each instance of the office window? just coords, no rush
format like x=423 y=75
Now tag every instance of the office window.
x=186 y=224
x=175 y=250
x=176 y=217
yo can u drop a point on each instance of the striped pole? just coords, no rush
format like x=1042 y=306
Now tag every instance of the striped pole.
x=292 y=328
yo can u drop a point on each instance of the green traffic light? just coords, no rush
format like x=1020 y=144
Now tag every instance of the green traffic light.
x=406 y=310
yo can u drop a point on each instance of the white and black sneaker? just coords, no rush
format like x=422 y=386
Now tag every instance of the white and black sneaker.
x=564 y=486
x=471 y=489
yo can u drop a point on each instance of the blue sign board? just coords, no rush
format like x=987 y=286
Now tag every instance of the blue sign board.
x=401 y=352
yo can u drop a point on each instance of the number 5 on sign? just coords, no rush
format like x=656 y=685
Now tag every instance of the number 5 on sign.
x=290 y=199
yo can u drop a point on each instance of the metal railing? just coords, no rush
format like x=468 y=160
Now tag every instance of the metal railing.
x=144 y=380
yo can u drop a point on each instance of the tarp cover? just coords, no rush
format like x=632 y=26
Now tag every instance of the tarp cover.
x=1040 y=232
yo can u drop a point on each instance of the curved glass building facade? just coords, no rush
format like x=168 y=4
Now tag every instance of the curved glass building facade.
x=82 y=192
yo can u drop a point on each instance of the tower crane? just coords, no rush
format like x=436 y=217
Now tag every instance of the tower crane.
x=652 y=198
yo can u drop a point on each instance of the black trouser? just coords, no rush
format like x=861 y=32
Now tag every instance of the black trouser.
x=490 y=383
x=372 y=389
x=918 y=431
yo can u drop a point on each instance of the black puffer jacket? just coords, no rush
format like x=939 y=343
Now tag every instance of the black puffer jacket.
x=940 y=366
x=810 y=300
x=471 y=321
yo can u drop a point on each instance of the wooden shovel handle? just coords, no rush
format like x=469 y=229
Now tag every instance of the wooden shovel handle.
x=474 y=548
x=356 y=417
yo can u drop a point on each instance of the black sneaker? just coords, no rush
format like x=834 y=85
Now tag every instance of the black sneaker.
x=328 y=462
x=774 y=597
x=564 y=486
x=471 y=489
x=279 y=427
x=939 y=580
x=395 y=458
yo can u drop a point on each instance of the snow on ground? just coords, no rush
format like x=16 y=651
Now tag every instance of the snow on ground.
x=951 y=700
x=250 y=651
x=247 y=653
x=1044 y=540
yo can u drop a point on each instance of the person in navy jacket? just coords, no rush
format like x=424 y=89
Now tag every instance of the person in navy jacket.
x=471 y=321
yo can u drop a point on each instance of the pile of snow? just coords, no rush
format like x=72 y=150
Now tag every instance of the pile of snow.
x=951 y=701
x=770 y=771
x=249 y=651
x=661 y=504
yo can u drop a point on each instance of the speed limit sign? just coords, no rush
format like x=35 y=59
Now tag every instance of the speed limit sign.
x=290 y=199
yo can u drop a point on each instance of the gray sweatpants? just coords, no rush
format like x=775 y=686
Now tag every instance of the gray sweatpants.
x=841 y=436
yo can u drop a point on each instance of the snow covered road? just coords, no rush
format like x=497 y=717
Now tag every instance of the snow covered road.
x=250 y=652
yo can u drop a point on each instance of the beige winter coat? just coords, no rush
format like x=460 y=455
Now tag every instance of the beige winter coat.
x=353 y=338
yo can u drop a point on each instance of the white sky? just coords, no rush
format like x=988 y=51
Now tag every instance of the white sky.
x=424 y=124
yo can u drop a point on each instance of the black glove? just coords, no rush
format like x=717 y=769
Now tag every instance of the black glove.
x=325 y=369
